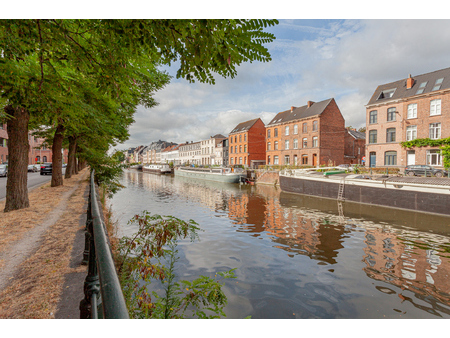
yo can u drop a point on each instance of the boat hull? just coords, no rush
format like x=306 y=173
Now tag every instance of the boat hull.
x=202 y=175
x=424 y=199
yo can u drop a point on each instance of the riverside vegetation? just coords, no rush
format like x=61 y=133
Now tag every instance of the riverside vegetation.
x=149 y=256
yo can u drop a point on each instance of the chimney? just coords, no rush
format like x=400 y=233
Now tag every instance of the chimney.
x=292 y=109
x=409 y=82
x=310 y=103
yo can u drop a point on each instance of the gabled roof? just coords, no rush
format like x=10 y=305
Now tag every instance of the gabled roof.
x=244 y=126
x=357 y=134
x=400 y=91
x=298 y=113
x=218 y=136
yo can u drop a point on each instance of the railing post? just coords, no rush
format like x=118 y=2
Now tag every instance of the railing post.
x=87 y=234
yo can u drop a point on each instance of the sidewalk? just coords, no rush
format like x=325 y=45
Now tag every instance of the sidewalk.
x=41 y=249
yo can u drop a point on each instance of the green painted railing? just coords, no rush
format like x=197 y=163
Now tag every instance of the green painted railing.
x=103 y=297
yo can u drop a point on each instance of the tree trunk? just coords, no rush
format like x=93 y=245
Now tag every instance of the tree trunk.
x=71 y=163
x=16 y=185
x=57 y=177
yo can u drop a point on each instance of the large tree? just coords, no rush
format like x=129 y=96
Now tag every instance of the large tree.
x=45 y=63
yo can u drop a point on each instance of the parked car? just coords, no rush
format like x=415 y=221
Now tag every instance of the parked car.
x=419 y=170
x=46 y=168
x=32 y=168
x=3 y=170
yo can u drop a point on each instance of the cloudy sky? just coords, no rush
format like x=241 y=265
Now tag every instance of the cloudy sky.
x=312 y=60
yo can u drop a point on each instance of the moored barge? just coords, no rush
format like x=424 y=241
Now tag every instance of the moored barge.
x=428 y=194
x=211 y=174
x=157 y=168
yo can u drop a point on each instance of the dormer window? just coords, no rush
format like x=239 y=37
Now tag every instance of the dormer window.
x=386 y=94
x=437 y=84
x=421 y=88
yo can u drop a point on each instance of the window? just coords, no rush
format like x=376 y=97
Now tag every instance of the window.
x=304 y=128
x=295 y=159
x=386 y=94
x=235 y=139
x=390 y=158
x=412 y=110
x=240 y=138
x=295 y=129
x=315 y=125
x=268 y=159
x=268 y=146
x=275 y=145
x=245 y=148
x=240 y=149
x=231 y=150
x=245 y=160
x=235 y=149
x=268 y=133
x=315 y=142
x=437 y=84
x=373 y=117
x=275 y=132
x=245 y=137
x=286 y=159
x=305 y=143
x=411 y=133
x=372 y=136
x=275 y=160
x=435 y=131
x=286 y=145
x=304 y=159
x=391 y=114
x=286 y=130
x=390 y=135
x=295 y=143
x=240 y=160
x=231 y=161
x=435 y=107
x=421 y=88
x=44 y=158
x=434 y=157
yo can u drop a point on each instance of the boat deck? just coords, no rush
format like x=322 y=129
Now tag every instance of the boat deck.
x=440 y=181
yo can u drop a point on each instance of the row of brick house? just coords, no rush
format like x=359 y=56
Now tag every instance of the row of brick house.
x=37 y=151
x=315 y=134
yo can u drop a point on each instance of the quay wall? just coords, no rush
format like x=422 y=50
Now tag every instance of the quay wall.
x=269 y=177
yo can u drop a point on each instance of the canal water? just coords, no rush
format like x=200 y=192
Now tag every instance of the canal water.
x=297 y=256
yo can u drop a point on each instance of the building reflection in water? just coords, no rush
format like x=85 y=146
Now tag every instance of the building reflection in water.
x=408 y=251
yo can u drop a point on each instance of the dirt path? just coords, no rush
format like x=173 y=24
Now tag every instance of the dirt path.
x=35 y=249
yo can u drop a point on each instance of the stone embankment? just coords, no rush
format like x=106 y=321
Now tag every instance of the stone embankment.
x=270 y=177
x=41 y=248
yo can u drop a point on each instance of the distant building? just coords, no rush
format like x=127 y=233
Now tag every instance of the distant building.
x=3 y=144
x=410 y=108
x=209 y=155
x=310 y=135
x=354 y=146
x=190 y=153
x=247 y=144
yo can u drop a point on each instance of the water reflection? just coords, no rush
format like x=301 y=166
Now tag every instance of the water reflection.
x=304 y=257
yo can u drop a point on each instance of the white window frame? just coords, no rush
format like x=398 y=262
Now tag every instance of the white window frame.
x=305 y=143
x=435 y=131
x=295 y=129
x=295 y=143
x=275 y=159
x=434 y=156
x=315 y=142
x=286 y=145
x=435 y=107
x=286 y=130
x=411 y=133
x=412 y=111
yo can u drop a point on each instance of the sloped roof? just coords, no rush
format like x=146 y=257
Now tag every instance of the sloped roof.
x=218 y=136
x=244 y=126
x=401 y=92
x=300 y=112
x=357 y=134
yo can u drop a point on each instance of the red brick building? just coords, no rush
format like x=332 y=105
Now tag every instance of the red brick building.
x=3 y=143
x=354 y=146
x=310 y=135
x=415 y=107
x=247 y=144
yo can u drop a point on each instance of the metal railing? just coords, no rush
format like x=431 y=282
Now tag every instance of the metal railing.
x=103 y=297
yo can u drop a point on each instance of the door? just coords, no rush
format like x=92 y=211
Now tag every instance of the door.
x=373 y=159
x=411 y=157
x=314 y=160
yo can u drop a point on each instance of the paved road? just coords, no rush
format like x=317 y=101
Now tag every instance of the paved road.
x=34 y=179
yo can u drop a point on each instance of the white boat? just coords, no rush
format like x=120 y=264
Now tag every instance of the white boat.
x=211 y=174
x=157 y=168
x=424 y=194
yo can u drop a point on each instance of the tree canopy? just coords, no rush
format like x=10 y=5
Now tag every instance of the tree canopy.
x=84 y=78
